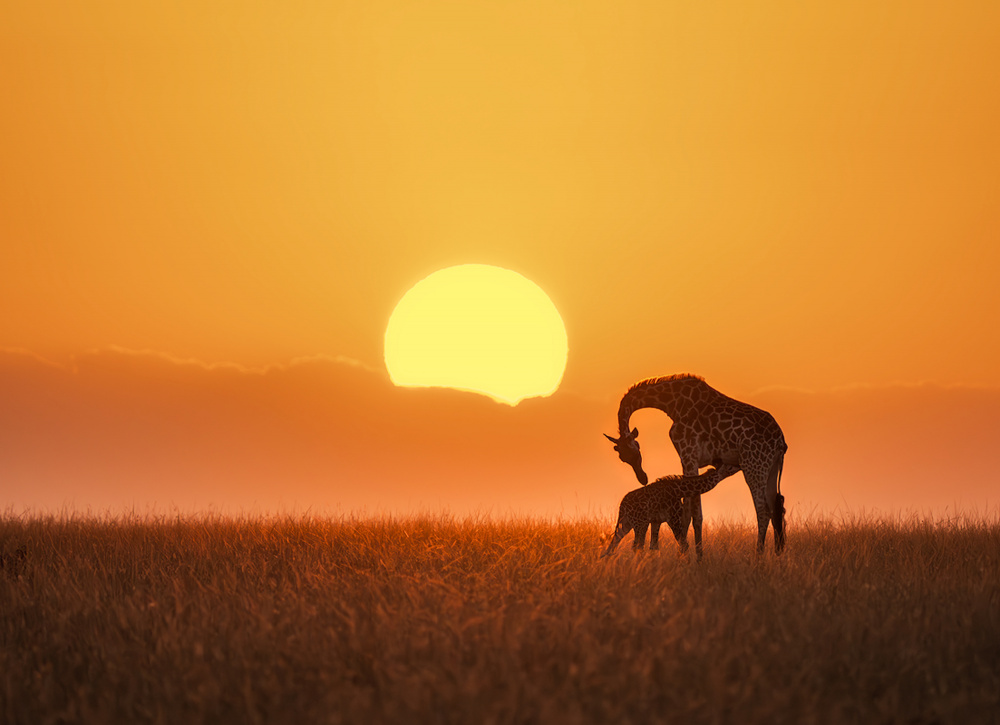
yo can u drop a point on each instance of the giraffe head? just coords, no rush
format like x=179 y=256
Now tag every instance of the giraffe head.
x=627 y=448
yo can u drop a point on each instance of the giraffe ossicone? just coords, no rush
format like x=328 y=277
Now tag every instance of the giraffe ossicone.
x=627 y=448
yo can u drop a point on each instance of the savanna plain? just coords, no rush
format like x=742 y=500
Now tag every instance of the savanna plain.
x=431 y=619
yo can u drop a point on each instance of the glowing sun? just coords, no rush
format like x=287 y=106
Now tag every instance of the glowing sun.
x=480 y=328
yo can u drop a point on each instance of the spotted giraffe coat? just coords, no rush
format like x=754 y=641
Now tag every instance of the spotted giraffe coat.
x=660 y=502
x=707 y=427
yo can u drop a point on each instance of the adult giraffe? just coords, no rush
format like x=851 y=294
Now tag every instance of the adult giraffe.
x=711 y=428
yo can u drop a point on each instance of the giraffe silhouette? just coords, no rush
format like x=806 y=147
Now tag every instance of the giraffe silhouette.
x=660 y=502
x=711 y=428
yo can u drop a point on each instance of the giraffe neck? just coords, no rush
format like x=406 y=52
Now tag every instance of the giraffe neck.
x=644 y=396
x=701 y=484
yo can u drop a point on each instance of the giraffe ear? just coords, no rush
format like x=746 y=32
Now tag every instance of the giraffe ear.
x=635 y=432
x=613 y=440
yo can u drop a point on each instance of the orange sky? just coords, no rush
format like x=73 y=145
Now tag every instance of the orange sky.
x=790 y=196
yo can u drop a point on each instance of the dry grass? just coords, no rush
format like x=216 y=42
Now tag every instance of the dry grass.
x=479 y=621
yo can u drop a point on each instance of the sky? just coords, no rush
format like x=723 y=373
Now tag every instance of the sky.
x=208 y=213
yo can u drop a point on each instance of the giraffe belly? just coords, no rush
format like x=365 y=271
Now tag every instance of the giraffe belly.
x=712 y=457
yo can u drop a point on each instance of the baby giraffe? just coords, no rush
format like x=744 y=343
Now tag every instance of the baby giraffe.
x=661 y=501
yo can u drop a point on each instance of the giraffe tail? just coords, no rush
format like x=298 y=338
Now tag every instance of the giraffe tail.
x=778 y=514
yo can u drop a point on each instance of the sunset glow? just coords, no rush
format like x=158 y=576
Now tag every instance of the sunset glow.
x=216 y=219
x=480 y=328
x=316 y=320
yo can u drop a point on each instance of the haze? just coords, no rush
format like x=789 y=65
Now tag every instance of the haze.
x=208 y=216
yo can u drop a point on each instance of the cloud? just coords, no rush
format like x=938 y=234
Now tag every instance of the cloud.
x=919 y=447
x=114 y=428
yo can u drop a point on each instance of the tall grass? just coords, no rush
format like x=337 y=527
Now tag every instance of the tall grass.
x=480 y=620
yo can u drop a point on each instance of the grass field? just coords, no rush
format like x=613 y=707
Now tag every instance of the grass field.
x=494 y=621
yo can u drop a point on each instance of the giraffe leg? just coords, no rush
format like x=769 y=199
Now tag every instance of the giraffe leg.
x=682 y=533
x=654 y=535
x=620 y=530
x=763 y=517
x=681 y=542
x=640 y=536
x=757 y=486
x=691 y=506
x=686 y=444
x=696 y=518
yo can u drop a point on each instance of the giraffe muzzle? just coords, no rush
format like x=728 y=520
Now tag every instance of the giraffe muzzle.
x=640 y=474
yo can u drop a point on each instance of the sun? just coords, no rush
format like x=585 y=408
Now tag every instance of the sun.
x=480 y=328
